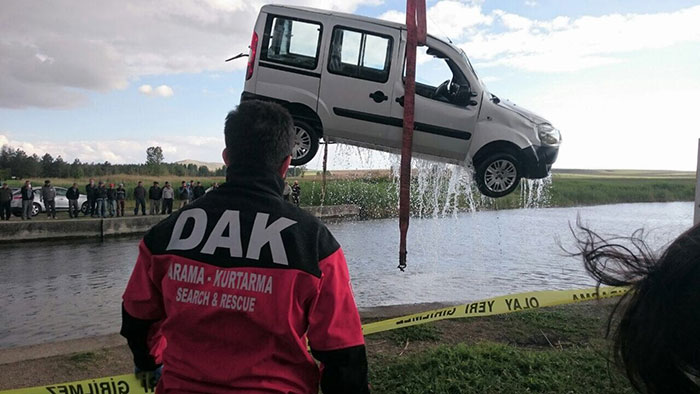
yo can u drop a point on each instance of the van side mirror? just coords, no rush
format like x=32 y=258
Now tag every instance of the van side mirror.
x=464 y=96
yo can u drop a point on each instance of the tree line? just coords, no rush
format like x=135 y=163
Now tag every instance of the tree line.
x=15 y=163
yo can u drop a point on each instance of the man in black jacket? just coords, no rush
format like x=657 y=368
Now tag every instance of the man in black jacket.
x=101 y=197
x=239 y=280
x=140 y=197
x=73 y=194
x=90 y=193
x=111 y=200
x=5 y=201
x=199 y=190
x=27 y=200
x=155 y=194
x=121 y=199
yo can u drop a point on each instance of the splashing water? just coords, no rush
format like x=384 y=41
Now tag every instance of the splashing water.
x=534 y=193
x=439 y=189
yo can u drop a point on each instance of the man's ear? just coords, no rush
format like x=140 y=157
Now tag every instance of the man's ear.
x=224 y=155
x=285 y=166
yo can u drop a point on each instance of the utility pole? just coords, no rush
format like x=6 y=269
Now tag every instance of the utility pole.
x=696 y=217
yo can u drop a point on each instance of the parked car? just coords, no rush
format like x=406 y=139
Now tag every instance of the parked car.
x=38 y=203
x=341 y=78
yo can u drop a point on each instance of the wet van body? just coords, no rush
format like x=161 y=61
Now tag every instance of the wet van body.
x=341 y=76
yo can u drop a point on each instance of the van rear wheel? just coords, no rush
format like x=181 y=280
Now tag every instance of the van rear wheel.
x=498 y=175
x=305 y=143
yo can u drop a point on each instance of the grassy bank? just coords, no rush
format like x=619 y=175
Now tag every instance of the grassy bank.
x=378 y=197
x=377 y=194
x=551 y=350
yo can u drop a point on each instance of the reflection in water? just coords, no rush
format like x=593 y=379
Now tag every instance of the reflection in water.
x=56 y=291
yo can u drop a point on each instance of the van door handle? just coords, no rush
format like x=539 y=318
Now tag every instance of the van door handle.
x=378 y=96
x=400 y=100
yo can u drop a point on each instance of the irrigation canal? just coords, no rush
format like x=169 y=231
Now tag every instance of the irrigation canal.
x=64 y=290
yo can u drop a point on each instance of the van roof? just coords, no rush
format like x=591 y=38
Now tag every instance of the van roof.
x=272 y=7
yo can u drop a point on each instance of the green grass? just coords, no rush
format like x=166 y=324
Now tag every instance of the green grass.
x=489 y=367
x=379 y=198
x=423 y=332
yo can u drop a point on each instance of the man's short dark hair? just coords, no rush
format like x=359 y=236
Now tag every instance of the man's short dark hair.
x=259 y=135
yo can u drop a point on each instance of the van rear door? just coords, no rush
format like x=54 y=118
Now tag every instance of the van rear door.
x=289 y=56
x=357 y=82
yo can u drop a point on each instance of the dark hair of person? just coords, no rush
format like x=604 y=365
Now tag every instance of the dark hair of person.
x=657 y=338
x=258 y=135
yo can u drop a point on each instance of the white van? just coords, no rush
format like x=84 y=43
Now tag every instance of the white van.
x=341 y=78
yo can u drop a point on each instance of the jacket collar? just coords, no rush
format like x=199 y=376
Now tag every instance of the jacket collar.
x=254 y=179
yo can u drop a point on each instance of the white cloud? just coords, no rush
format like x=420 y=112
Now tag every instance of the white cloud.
x=530 y=3
x=120 y=151
x=448 y=18
x=160 y=91
x=146 y=89
x=563 y=44
x=54 y=53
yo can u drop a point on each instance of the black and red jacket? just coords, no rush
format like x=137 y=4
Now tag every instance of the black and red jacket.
x=237 y=282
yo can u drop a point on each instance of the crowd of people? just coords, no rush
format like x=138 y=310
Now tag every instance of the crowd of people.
x=106 y=201
x=103 y=199
x=109 y=200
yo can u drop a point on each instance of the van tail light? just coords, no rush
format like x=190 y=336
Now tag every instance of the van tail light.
x=251 y=58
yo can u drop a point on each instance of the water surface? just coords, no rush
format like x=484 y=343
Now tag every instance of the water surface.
x=65 y=290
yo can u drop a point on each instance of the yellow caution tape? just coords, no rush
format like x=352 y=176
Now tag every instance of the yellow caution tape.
x=129 y=383
x=496 y=306
x=120 y=384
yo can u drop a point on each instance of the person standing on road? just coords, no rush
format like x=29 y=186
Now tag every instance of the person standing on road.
x=296 y=192
x=121 y=199
x=73 y=194
x=155 y=194
x=112 y=200
x=241 y=279
x=101 y=199
x=27 y=200
x=91 y=194
x=168 y=195
x=5 y=201
x=199 y=191
x=183 y=194
x=140 y=197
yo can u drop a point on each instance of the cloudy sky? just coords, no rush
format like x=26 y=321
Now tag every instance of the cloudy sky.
x=103 y=80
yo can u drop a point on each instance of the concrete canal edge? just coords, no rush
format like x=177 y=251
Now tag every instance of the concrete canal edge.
x=36 y=229
x=92 y=344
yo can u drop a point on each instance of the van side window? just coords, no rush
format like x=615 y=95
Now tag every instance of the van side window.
x=291 y=41
x=360 y=54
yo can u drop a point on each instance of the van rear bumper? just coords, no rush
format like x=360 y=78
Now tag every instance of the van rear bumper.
x=538 y=160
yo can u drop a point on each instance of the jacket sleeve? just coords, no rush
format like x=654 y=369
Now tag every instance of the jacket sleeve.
x=335 y=331
x=142 y=306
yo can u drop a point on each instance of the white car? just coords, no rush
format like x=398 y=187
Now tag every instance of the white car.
x=38 y=203
x=341 y=78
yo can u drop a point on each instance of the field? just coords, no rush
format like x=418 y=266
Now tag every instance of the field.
x=551 y=350
x=375 y=191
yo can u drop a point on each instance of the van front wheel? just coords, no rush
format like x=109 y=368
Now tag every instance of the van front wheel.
x=498 y=175
x=305 y=143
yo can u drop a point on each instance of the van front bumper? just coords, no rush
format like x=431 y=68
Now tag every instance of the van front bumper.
x=538 y=160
